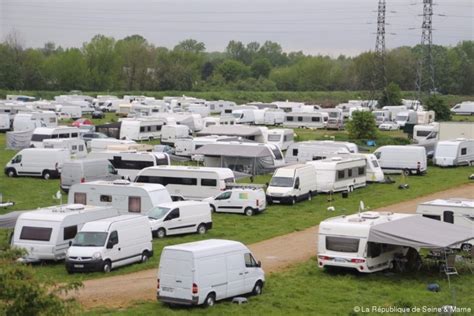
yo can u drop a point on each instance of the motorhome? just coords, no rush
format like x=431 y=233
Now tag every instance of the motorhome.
x=405 y=159
x=5 y=122
x=304 y=120
x=191 y=183
x=287 y=106
x=254 y=133
x=86 y=170
x=405 y=117
x=395 y=109
x=273 y=117
x=426 y=135
x=76 y=146
x=45 y=233
x=243 y=199
x=291 y=184
x=182 y=217
x=106 y=244
x=338 y=174
x=171 y=133
x=463 y=108
x=125 y=196
x=144 y=128
x=27 y=121
x=343 y=242
x=316 y=150
x=456 y=152
x=38 y=162
x=282 y=137
x=192 y=120
x=335 y=119
x=249 y=116
x=186 y=146
x=456 y=211
x=129 y=163
x=203 y=272
x=42 y=133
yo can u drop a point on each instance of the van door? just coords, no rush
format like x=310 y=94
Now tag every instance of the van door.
x=252 y=272
x=227 y=202
x=113 y=250
x=235 y=274
x=173 y=222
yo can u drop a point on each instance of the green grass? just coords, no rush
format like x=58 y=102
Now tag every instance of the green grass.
x=307 y=290
x=463 y=118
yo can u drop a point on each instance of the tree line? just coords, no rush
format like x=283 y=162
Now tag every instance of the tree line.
x=134 y=64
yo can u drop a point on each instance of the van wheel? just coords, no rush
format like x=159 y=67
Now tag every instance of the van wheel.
x=406 y=172
x=213 y=208
x=351 y=188
x=466 y=247
x=293 y=200
x=11 y=172
x=46 y=175
x=210 y=300
x=144 y=257
x=258 y=288
x=248 y=211
x=201 y=229
x=161 y=233
x=310 y=196
x=107 y=267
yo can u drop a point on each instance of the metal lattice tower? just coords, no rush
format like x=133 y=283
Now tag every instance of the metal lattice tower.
x=426 y=59
x=380 y=77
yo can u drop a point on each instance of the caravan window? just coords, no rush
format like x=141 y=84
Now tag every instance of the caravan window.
x=208 y=182
x=74 y=135
x=142 y=129
x=81 y=147
x=106 y=198
x=36 y=233
x=448 y=217
x=463 y=151
x=349 y=173
x=340 y=174
x=274 y=138
x=362 y=169
x=134 y=204
x=436 y=217
x=295 y=152
x=63 y=135
x=70 y=232
x=300 y=118
x=289 y=118
x=316 y=119
x=80 y=198
x=342 y=244
x=74 y=147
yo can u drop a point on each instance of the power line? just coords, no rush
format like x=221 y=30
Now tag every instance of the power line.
x=426 y=58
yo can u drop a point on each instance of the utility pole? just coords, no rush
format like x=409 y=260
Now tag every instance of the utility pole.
x=426 y=58
x=379 y=79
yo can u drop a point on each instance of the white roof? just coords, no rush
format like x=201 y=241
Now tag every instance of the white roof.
x=148 y=187
x=102 y=225
x=456 y=202
x=332 y=161
x=206 y=247
x=293 y=167
x=59 y=212
x=226 y=172
x=47 y=130
x=181 y=203
x=454 y=142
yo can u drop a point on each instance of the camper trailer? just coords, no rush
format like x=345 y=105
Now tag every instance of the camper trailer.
x=459 y=212
x=253 y=133
x=191 y=183
x=46 y=233
x=142 y=128
x=42 y=133
x=249 y=116
x=76 y=146
x=102 y=144
x=338 y=174
x=374 y=172
x=456 y=152
x=406 y=159
x=171 y=133
x=304 y=120
x=282 y=137
x=316 y=150
x=27 y=121
x=72 y=111
x=274 y=117
x=38 y=162
x=86 y=170
x=335 y=119
x=123 y=195
x=210 y=121
x=218 y=107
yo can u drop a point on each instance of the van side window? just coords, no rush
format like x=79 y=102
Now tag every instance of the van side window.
x=250 y=261
x=463 y=151
x=74 y=135
x=80 y=198
x=63 y=135
x=349 y=173
x=224 y=196
x=134 y=204
x=289 y=118
x=113 y=239
x=172 y=215
x=17 y=159
x=70 y=232
x=209 y=182
x=106 y=198
x=378 y=154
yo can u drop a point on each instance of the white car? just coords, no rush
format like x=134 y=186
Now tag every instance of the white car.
x=389 y=126
x=246 y=201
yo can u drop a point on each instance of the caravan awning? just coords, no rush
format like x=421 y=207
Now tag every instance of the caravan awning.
x=233 y=150
x=420 y=232
x=231 y=130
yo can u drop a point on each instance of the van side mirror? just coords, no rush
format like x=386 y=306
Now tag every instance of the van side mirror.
x=259 y=264
x=110 y=245
x=70 y=243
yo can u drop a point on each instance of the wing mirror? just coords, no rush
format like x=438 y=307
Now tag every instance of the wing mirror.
x=110 y=245
x=259 y=264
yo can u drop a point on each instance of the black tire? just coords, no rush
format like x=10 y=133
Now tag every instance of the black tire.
x=46 y=175
x=406 y=172
x=145 y=256
x=161 y=233
x=213 y=209
x=210 y=300
x=11 y=173
x=258 y=288
x=202 y=229
x=248 y=211
x=107 y=266
x=69 y=271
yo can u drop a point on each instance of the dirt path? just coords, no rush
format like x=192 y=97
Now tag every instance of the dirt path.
x=276 y=254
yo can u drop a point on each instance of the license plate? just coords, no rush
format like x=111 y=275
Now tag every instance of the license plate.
x=276 y=201
x=167 y=289
x=339 y=260
x=78 y=266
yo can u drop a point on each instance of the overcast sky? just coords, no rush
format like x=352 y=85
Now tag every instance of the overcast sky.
x=314 y=26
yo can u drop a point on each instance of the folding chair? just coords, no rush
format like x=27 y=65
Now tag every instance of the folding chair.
x=449 y=268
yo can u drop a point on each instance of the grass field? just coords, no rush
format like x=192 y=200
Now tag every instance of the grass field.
x=463 y=118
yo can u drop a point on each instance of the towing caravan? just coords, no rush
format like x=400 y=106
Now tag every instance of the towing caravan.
x=274 y=117
x=456 y=152
x=374 y=172
x=27 y=121
x=144 y=128
x=304 y=120
x=316 y=150
x=171 y=133
x=76 y=146
x=335 y=119
x=186 y=146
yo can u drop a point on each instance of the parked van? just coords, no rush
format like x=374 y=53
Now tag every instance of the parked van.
x=38 y=162
x=283 y=137
x=455 y=211
x=110 y=243
x=342 y=243
x=86 y=170
x=456 y=152
x=382 y=116
x=171 y=133
x=127 y=197
x=129 y=163
x=246 y=200
x=203 y=272
x=291 y=184
x=338 y=174
x=27 y=121
x=76 y=146
x=5 y=123
x=45 y=233
x=183 y=182
x=42 y=133
x=463 y=108
x=408 y=159
x=174 y=218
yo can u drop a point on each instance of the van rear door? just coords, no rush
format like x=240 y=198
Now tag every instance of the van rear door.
x=176 y=274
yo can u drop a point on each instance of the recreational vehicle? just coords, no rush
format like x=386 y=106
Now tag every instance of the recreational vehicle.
x=249 y=116
x=46 y=233
x=335 y=119
x=76 y=146
x=210 y=121
x=171 y=133
x=382 y=116
x=219 y=106
x=42 y=133
x=282 y=137
x=86 y=170
x=274 y=117
x=316 y=150
x=456 y=152
x=27 y=121
x=5 y=122
x=304 y=120
x=463 y=108
x=407 y=159
x=187 y=146
x=142 y=128
x=254 y=133
x=38 y=162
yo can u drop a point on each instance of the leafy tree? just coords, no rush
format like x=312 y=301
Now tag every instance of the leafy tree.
x=33 y=73
x=362 y=126
x=391 y=95
x=237 y=50
x=67 y=70
x=274 y=53
x=261 y=68
x=232 y=70
x=441 y=109
x=191 y=46
x=207 y=70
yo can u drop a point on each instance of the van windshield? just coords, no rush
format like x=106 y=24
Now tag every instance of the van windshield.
x=157 y=212
x=281 y=182
x=90 y=239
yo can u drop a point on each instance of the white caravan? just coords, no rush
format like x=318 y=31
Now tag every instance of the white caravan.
x=203 y=272
x=456 y=152
x=282 y=137
x=291 y=184
x=5 y=122
x=338 y=174
x=186 y=146
x=174 y=218
x=129 y=163
x=125 y=196
x=145 y=128
x=249 y=116
x=342 y=242
x=274 y=117
x=407 y=159
x=382 y=116
x=199 y=109
x=374 y=172
x=246 y=200
x=456 y=211
x=184 y=182
x=76 y=146
x=395 y=109
x=171 y=133
x=101 y=144
x=27 y=121
x=72 y=111
x=38 y=162
x=42 y=133
x=463 y=108
x=425 y=117
x=210 y=121
x=335 y=119
x=86 y=170
x=304 y=120
x=316 y=150
x=110 y=243
x=46 y=233
x=218 y=107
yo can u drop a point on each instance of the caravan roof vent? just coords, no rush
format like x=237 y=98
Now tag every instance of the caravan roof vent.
x=75 y=207
x=121 y=182
x=370 y=215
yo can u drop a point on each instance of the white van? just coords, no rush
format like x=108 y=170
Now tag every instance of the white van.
x=127 y=197
x=38 y=162
x=459 y=212
x=205 y=271
x=5 y=123
x=27 y=121
x=283 y=137
x=291 y=184
x=338 y=174
x=343 y=243
x=463 y=108
x=181 y=217
x=171 y=133
x=129 y=163
x=408 y=159
x=191 y=183
x=76 y=146
x=42 y=133
x=45 y=233
x=245 y=200
x=110 y=243
x=86 y=170
x=456 y=152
